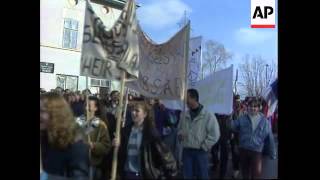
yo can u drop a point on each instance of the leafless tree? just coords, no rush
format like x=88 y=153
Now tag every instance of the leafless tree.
x=214 y=56
x=256 y=75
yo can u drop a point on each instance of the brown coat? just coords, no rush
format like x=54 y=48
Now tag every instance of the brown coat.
x=101 y=143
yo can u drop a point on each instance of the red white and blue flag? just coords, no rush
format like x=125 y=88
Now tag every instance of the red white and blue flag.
x=271 y=96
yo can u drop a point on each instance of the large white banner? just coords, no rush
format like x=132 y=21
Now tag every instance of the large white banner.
x=105 y=53
x=173 y=104
x=162 y=69
x=216 y=93
x=194 y=65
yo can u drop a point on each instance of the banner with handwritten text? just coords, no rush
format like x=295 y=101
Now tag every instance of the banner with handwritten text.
x=105 y=53
x=162 y=69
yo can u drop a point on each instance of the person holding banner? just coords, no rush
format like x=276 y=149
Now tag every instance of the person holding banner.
x=97 y=136
x=255 y=138
x=222 y=146
x=234 y=141
x=142 y=154
x=64 y=155
x=114 y=102
x=198 y=131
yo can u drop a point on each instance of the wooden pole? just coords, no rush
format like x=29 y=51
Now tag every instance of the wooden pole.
x=41 y=169
x=87 y=104
x=186 y=60
x=117 y=135
x=125 y=108
x=87 y=120
x=186 y=56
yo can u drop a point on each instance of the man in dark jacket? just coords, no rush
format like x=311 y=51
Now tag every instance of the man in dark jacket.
x=222 y=146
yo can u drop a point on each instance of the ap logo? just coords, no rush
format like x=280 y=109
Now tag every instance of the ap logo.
x=263 y=14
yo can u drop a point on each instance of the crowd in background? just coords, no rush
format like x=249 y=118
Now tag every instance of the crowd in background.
x=71 y=146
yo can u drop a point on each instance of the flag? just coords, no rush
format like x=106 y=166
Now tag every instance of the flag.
x=194 y=63
x=106 y=53
x=270 y=95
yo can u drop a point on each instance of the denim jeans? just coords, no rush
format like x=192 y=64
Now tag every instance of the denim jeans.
x=131 y=175
x=195 y=163
x=95 y=173
x=43 y=176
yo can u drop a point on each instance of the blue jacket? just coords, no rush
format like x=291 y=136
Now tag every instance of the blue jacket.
x=260 y=140
x=160 y=117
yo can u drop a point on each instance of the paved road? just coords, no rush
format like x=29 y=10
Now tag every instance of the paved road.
x=269 y=169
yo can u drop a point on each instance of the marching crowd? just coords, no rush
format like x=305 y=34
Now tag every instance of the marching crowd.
x=77 y=137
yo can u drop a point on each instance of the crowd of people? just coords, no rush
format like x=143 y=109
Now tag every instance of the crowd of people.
x=77 y=137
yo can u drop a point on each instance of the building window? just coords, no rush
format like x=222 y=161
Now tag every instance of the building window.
x=100 y=83
x=95 y=82
x=105 y=83
x=67 y=82
x=70 y=33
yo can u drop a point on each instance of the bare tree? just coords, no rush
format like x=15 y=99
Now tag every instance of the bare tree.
x=214 y=56
x=256 y=75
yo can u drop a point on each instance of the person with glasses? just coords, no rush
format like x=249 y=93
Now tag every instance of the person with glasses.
x=255 y=138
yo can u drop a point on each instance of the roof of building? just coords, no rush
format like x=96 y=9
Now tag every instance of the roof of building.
x=117 y=4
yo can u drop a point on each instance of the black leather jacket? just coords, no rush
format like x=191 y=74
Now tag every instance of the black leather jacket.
x=157 y=160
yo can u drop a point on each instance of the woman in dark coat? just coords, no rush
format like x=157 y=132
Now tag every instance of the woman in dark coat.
x=142 y=154
x=63 y=153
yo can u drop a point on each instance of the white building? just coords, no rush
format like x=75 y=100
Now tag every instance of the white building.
x=61 y=31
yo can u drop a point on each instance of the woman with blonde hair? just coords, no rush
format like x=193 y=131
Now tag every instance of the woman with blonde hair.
x=63 y=152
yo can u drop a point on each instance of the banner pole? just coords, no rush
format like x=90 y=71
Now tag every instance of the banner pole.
x=87 y=104
x=41 y=167
x=186 y=55
x=235 y=83
x=117 y=135
x=186 y=60
x=87 y=120
x=125 y=108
